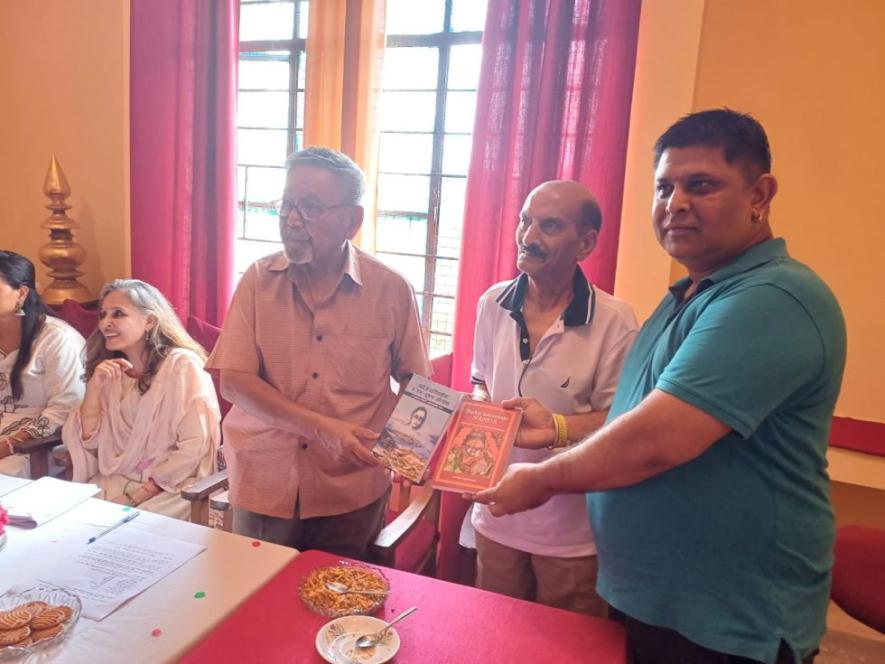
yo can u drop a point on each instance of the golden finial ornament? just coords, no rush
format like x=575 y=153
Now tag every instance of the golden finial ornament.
x=62 y=255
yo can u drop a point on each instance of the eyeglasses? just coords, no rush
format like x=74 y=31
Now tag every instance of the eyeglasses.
x=307 y=210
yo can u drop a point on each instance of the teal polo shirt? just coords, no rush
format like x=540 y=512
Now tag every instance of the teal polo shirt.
x=733 y=549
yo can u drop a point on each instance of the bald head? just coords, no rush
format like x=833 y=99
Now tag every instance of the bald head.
x=558 y=226
x=573 y=199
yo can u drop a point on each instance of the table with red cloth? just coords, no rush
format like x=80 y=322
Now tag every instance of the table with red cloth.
x=455 y=624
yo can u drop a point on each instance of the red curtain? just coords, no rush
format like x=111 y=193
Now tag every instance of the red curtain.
x=183 y=87
x=553 y=102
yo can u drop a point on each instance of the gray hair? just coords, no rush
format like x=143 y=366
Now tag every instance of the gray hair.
x=338 y=164
x=168 y=332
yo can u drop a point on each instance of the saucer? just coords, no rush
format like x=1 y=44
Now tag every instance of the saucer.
x=336 y=641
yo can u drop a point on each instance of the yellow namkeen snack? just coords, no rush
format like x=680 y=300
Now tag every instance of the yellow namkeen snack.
x=328 y=603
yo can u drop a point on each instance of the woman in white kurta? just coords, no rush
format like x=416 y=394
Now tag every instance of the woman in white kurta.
x=41 y=366
x=149 y=423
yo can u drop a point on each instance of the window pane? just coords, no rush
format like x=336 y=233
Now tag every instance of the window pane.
x=274 y=20
x=248 y=251
x=443 y=316
x=257 y=71
x=238 y=233
x=451 y=216
x=468 y=15
x=464 y=65
x=264 y=185
x=302 y=72
x=411 y=17
x=406 y=153
x=262 y=223
x=241 y=183
x=440 y=344
x=265 y=147
x=403 y=193
x=456 y=154
x=411 y=267
x=263 y=109
x=410 y=68
x=460 y=111
x=299 y=110
x=407 y=111
x=303 y=6
x=401 y=234
x=446 y=277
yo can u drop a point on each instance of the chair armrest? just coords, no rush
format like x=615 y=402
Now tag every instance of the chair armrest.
x=45 y=443
x=202 y=489
x=395 y=531
x=38 y=450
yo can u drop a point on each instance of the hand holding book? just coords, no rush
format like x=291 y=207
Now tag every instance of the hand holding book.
x=347 y=441
x=522 y=488
x=537 y=429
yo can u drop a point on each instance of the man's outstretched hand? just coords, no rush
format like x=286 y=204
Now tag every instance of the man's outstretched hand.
x=521 y=489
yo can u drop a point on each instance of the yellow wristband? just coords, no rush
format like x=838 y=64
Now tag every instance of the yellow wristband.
x=561 y=430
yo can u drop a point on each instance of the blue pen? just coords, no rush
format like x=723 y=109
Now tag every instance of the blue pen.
x=119 y=523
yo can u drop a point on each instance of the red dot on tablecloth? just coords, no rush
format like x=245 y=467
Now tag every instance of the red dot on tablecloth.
x=256 y=543
x=156 y=631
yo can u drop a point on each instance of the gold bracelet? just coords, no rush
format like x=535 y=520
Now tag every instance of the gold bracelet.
x=561 y=427
x=552 y=444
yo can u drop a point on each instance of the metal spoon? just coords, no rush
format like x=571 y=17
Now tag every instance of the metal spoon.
x=341 y=589
x=369 y=640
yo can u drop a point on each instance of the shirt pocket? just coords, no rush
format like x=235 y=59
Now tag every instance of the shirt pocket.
x=362 y=364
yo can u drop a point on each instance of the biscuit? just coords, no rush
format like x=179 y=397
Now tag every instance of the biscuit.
x=38 y=635
x=50 y=617
x=34 y=607
x=9 y=637
x=14 y=618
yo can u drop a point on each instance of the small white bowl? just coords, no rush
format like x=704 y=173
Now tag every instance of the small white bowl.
x=336 y=641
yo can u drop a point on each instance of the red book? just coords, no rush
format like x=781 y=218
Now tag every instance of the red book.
x=477 y=447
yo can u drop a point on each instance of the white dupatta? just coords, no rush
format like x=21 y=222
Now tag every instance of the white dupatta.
x=180 y=388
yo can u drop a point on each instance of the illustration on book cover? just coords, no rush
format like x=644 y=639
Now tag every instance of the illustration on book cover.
x=478 y=447
x=415 y=427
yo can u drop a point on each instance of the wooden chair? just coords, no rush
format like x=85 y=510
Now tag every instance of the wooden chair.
x=407 y=542
x=38 y=451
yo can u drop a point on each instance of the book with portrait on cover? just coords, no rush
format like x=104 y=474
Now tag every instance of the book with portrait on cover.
x=477 y=449
x=416 y=427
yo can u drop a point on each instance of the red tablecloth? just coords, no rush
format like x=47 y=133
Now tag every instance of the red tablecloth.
x=455 y=624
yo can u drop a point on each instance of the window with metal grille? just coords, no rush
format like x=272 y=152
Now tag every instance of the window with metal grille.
x=270 y=117
x=431 y=72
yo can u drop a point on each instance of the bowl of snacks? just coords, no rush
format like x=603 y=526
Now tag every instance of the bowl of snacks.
x=36 y=619
x=364 y=590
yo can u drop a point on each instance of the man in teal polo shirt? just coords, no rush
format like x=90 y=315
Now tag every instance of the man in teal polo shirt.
x=709 y=491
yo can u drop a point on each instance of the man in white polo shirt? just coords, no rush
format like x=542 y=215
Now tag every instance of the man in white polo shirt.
x=551 y=336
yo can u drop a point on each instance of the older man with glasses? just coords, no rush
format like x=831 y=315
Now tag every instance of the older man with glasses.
x=312 y=338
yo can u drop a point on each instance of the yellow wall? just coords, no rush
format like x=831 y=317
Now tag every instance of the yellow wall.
x=811 y=73
x=663 y=90
x=64 y=81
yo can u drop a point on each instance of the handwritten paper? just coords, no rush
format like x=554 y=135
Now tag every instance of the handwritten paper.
x=117 y=567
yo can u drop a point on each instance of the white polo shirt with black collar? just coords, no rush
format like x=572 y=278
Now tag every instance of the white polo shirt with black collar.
x=574 y=369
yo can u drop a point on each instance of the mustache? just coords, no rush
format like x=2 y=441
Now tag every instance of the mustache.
x=532 y=250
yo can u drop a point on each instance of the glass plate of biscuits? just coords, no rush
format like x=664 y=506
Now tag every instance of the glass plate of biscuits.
x=35 y=619
x=316 y=594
